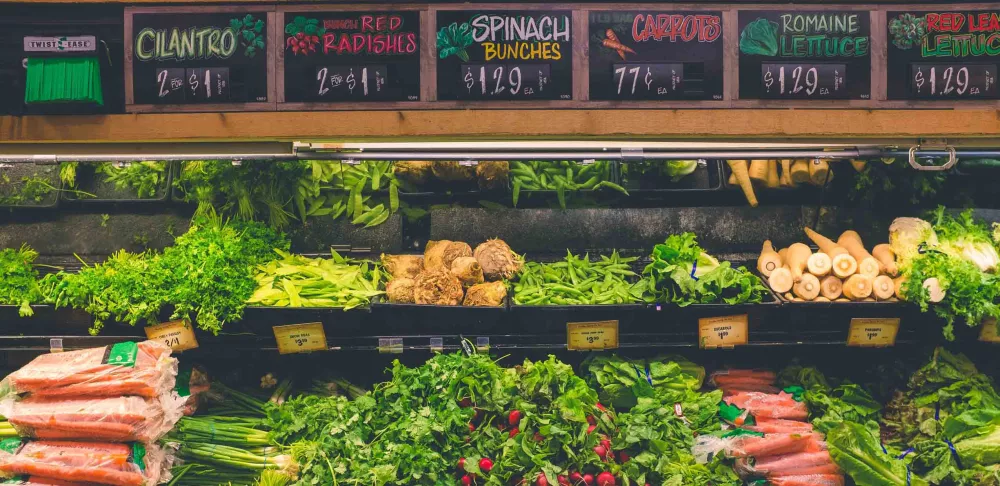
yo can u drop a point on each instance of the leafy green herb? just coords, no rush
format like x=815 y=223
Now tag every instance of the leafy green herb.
x=453 y=39
x=250 y=32
x=19 y=285
x=145 y=178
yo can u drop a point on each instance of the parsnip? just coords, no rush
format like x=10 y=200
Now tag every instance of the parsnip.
x=772 y=174
x=807 y=288
x=798 y=256
x=844 y=265
x=783 y=255
x=858 y=287
x=800 y=171
x=768 y=259
x=867 y=264
x=859 y=165
x=936 y=293
x=788 y=296
x=758 y=172
x=780 y=280
x=897 y=284
x=786 y=173
x=819 y=264
x=819 y=172
x=826 y=245
x=831 y=287
x=821 y=299
x=842 y=299
x=883 y=253
x=883 y=288
x=732 y=179
x=739 y=168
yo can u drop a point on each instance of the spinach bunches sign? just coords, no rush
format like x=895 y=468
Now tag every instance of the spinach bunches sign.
x=804 y=55
x=943 y=55
x=504 y=55
x=352 y=56
x=199 y=58
x=655 y=55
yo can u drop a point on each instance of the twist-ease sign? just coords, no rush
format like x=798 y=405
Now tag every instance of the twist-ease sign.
x=179 y=335
x=873 y=332
x=586 y=336
x=723 y=331
x=300 y=338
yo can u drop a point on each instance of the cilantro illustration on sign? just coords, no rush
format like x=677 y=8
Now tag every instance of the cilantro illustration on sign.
x=453 y=39
x=250 y=31
x=907 y=30
x=760 y=38
x=303 y=35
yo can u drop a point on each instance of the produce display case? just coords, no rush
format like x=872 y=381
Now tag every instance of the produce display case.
x=29 y=186
x=94 y=187
x=652 y=178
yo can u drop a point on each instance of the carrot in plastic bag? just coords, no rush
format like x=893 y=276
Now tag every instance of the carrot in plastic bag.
x=812 y=480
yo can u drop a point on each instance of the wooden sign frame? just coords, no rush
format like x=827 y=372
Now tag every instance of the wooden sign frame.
x=269 y=48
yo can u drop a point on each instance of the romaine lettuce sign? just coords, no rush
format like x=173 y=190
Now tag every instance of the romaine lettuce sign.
x=504 y=55
x=940 y=55
x=805 y=55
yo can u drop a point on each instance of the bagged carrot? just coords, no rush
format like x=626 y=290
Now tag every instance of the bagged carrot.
x=86 y=462
x=119 y=419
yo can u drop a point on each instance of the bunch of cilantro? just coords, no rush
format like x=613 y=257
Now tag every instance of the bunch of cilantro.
x=682 y=273
x=19 y=285
x=206 y=276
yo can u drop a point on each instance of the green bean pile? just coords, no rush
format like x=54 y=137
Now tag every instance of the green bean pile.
x=579 y=281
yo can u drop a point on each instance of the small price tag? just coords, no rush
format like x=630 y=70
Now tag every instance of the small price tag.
x=988 y=331
x=437 y=345
x=585 y=336
x=55 y=345
x=390 y=345
x=177 y=334
x=300 y=338
x=874 y=332
x=722 y=331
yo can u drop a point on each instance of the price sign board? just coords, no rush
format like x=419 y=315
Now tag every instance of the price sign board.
x=943 y=55
x=723 y=331
x=655 y=55
x=504 y=55
x=199 y=57
x=179 y=335
x=585 y=336
x=342 y=56
x=874 y=332
x=300 y=338
x=791 y=55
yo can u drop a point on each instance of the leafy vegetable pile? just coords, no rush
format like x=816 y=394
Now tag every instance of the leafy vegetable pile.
x=145 y=179
x=298 y=281
x=578 y=281
x=682 y=273
x=561 y=177
x=19 y=285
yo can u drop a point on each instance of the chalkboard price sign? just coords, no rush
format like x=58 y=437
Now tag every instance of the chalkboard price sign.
x=803 y=81
x=957 y=81
x=505 y=55
x=823 y=55
x=352 y=56
x=199 y=57
x=655 y=55
x=942 y=55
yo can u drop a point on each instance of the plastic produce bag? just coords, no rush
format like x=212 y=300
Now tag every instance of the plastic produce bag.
x=85 y=462
x=119 y=419
x=142 y=369
x=742 y=443
x=770 y=406
x=39 y=481
x=806 y=463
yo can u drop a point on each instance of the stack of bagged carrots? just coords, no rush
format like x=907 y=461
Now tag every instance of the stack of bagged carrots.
x=840 y=271
x=773 y=440
x=784 y=173
x=92 y=416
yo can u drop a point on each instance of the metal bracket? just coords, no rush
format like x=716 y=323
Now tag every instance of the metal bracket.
x=952 y=159
x=632 y=154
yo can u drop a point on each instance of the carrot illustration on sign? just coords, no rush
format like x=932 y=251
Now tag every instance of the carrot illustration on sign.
x=612 y=42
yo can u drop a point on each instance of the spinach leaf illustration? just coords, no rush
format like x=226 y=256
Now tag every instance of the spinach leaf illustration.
x=453 y=39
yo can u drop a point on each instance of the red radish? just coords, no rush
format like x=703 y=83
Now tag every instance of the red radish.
x=514 y=431
x=590 y=430
x=588 y=479
x=563 y=481
x=465 y=403
x=485 y=464
x=623 y=457
x=466 y=480
x=472 y=428
x=315 y=38
x=461 y=464
x=606 y=444
x=601 y=452
x=299 y=35
x=542 y=480
x=605 y=479
x=514 y=418
x=601 y=407
x=591 y=420
x=575 y=477
x=538 y=437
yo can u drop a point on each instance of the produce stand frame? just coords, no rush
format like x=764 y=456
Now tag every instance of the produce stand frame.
x=163 y=193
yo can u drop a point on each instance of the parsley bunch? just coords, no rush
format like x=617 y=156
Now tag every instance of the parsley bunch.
x=19 y=285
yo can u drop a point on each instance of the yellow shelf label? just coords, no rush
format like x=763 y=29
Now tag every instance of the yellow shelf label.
x=723 y=331
x=300 y=338
x=988 y=331
x=586 y=336
x=875 y=332
x=179 y=335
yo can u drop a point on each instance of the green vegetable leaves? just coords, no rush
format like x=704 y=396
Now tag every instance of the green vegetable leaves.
x=856 y=449
x=298 y=281
x=19 y=285
x=453 y=39
x=578 y=281
x=682 y=273
x=760 y=38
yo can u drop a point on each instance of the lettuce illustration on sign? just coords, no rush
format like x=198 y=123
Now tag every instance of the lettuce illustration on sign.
x=250 y=31
x=907 y=30
x=303 y=35
x=453 y=39
x=760 y=38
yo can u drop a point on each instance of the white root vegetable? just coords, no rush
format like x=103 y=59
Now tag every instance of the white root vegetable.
x=822 y=299
x=883 y=253
x=780 y=280
x=883 y=288
x=867 y=264
x=826 y=245
x=819 y=172
x=798 y=256
x=768 y=260
x=758 y=172
x=807 y=288
x=831 y=287
x=844 y=265
x=858 y=287
x=773 y=180
x=800 y=171
x=819 y=264
x=786 y=173
x=936 y=293
x=897 y=284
